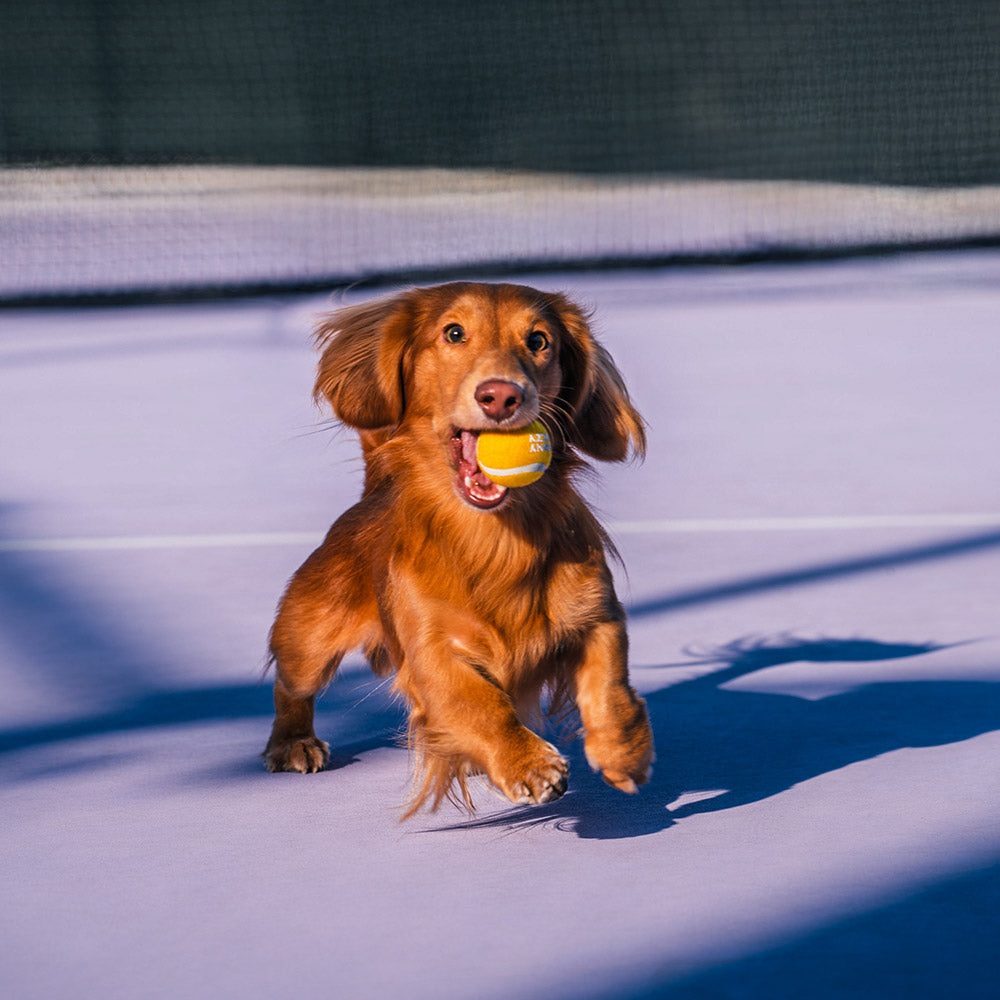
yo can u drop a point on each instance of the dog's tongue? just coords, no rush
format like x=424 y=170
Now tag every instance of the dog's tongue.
x=478 y=486
x=469 y=442
x=469 y=465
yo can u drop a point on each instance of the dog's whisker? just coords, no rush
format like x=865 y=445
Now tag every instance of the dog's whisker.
x=375 y=689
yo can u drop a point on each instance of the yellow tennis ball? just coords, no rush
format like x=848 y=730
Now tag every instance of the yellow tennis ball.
x=515 y=458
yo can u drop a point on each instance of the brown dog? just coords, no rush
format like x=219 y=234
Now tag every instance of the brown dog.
x=482 y=599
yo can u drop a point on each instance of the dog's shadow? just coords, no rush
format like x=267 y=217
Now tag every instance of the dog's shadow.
x=718 y=748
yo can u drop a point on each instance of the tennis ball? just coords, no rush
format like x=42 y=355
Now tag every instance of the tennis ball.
x=515 y=458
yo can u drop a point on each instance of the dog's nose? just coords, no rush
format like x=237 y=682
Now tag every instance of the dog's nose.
x=499 y=399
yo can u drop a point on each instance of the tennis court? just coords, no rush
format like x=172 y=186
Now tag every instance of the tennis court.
x=812 y=552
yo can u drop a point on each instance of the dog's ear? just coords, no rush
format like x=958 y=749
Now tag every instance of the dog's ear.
x=361 y=370
x=604 y=422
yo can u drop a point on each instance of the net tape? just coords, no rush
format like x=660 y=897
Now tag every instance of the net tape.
x=106 y=231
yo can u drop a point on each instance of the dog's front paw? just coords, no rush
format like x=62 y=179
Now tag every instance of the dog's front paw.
x=540 y=776
x=305 y=755
x=625 y=781
x=624 y=757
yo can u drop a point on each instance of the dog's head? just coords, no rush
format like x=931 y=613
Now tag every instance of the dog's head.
x=466 y=357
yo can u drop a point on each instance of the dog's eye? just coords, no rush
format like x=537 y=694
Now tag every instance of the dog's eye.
x=454 y=334
x=537 y=341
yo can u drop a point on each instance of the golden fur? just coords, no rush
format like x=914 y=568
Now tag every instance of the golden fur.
x=479 y=606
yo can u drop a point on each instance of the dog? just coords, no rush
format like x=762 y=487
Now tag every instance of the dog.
x=482 y=600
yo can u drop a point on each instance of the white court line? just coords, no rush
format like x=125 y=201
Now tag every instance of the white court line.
x=822 y=523
x=650 y=527
x=136 y=543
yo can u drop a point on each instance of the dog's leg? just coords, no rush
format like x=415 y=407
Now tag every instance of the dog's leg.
x=293 y=745
x=327 y=610
x=618 y=741
x=462 y=720
x=305 y=658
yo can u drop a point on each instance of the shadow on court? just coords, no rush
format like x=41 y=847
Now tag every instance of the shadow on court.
x=743 y=746
x=821 y=573
x=79 y=650
x=934 y=945
x=718 y=749
x=738 y=747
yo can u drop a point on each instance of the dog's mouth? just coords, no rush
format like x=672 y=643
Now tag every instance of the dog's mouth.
x=473 y=485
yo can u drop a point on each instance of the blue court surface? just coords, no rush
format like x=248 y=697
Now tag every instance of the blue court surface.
x=812 y=565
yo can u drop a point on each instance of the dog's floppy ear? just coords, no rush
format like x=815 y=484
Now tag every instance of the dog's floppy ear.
x=361 y=369
x=604 y=422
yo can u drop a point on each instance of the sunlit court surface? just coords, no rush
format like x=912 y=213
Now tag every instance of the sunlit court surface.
x=811 y=563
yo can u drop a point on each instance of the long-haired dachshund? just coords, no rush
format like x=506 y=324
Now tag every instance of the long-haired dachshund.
x=482 y=599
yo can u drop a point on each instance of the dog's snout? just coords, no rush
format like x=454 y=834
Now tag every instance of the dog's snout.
x=499 y=399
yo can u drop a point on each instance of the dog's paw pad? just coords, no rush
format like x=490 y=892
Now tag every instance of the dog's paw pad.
x=628 y=781
x=306 y=755
x=622 y=782
x=545 y=781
